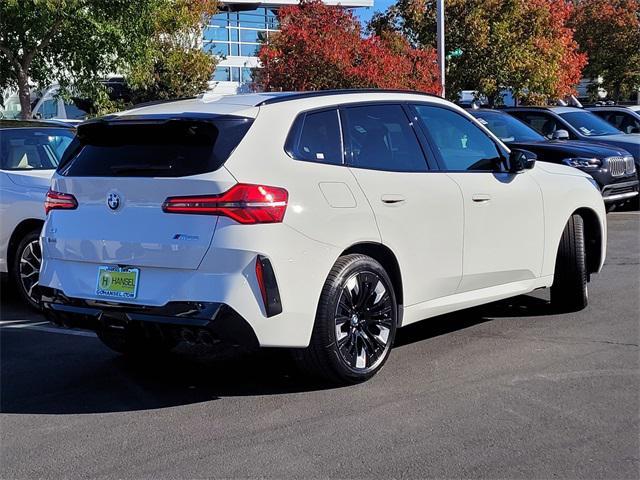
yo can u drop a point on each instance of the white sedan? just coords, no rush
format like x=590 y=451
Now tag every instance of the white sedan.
x=29 y=153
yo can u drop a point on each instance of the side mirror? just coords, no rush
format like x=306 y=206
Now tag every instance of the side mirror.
x=520 y=160
x=560 y=135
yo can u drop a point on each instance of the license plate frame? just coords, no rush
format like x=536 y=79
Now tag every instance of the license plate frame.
x=127 y=284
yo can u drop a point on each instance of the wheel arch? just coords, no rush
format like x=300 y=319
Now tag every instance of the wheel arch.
x=385 y=256
x=24 y=227
x=593 y=237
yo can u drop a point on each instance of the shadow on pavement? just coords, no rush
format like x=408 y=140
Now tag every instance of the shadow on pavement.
x=49 y=373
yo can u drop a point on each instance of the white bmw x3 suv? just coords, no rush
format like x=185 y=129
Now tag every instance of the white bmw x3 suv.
x=319 y=221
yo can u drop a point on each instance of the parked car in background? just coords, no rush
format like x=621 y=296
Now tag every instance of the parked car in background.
x=625 y=118
x=313 y=221
x=46 y=105
x=578 y=124
x=612 y=168
x=29 y=153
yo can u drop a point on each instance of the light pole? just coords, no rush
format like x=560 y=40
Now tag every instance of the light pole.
x=440 y=41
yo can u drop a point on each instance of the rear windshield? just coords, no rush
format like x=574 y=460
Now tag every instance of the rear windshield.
x=171 y=148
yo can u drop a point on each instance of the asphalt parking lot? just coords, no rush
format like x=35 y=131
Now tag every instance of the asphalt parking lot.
x=503 y=391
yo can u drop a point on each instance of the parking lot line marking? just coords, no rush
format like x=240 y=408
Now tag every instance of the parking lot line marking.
x=624 y=213
x=63 y=331
x=9 y=322
x=39 y=328
x=24 y=325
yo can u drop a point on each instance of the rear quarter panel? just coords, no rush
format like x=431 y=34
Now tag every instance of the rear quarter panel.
x=326 y=213
x=261 y=159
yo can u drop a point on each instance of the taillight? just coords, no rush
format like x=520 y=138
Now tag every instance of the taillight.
x=59 y=201
x=243 y=203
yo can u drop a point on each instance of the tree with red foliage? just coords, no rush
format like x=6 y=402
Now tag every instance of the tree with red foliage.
x=609 y=32
x=320 y=47
x=525 y=46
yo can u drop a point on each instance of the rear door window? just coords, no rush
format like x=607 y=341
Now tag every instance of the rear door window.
x=381 y=137
x=173 y=148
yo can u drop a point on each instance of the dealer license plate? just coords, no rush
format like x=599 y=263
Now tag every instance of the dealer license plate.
x=117 y=282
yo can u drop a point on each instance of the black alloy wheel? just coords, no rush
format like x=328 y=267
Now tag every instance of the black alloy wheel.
x=363 y=321
x=355 y=322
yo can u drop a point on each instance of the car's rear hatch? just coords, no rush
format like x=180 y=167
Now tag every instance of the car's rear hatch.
x=121 y=172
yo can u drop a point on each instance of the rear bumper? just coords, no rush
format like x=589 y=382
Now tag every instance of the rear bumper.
x=227 y=275
x=177 y=319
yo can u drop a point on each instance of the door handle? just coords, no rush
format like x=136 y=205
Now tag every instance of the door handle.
x=480 y=197
x=392 y=199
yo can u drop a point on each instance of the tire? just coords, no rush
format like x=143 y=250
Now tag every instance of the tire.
x=135 y=343
x=25 y=269
x=355 y=323
x=569 y=290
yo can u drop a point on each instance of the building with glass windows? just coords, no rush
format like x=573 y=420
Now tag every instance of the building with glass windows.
x=235 y=35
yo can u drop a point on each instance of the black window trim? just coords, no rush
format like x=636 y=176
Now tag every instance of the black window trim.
x=427 y=147
x=504 y=155
x=296 y=129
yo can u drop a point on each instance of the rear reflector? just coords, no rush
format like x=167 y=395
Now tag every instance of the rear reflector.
x=247 y=204
x=260 y=278
x=268 y=286
x=59 y=201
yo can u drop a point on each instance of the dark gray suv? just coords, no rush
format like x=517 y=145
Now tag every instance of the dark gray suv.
x=611 y=167
x=577 y=124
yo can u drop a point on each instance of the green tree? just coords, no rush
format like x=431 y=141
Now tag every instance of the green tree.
x=154 y=43
x=69 y=41
x=608 y=31
x=175 y=65
x=522 y=45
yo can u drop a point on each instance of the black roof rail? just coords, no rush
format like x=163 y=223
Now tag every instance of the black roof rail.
x=285 y=97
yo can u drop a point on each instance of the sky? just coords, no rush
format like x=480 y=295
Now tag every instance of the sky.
x=365 y=14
